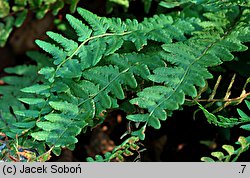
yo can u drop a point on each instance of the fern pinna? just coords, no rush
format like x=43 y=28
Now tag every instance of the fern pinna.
x=108 y=57
x=244 y=142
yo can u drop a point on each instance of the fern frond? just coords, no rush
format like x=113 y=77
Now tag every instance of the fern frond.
x=191 y=63
x=81 y=81
x=89 y=75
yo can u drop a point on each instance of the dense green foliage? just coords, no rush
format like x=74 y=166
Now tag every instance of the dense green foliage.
x=13 y=14
x=162 y=61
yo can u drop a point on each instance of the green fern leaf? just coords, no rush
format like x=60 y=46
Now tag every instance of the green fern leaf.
x=40 y=136
x=248 y=104
x=58 y=54
x=60 y=87
x=138 y=64
x=96 y=49
x=140 y=133
x=207 y=159
x=98 y=24
x=38 y=89
x=59 y=130
x=47 y=126
x=48 y=73
x=191 y=70
x=25 y=125
x=32 y=101
x=243 y=115
x=113 y=44
x=83 y=32
x=57 y=118
x=68 y=45
x=138 y=117
x=218 y=154
x=112 y=76
x=64 y=107
x=28 y=113
x=246 y=127
x=104 y=99
x=70 y=69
